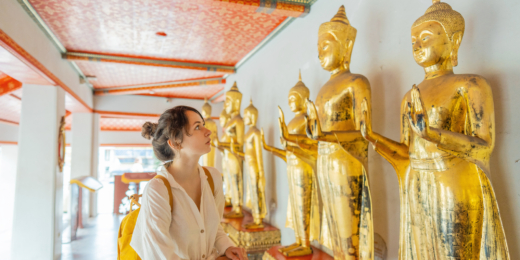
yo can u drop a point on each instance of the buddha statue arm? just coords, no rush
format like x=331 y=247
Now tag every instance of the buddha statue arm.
x=478 y=141
x=394 y=152
x=238 y=154
x=305 y=155
x=298 y=140
x=259 y=159
x=314 y=131
x=277 y=152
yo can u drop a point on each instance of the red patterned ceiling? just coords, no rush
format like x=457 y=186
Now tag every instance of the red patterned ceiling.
x=109 y=123
x=116 y=75
x=189 y=92
x=203 y=31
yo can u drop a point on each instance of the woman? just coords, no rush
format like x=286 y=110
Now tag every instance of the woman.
x=193 y=230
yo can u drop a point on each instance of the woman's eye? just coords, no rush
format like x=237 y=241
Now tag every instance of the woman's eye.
x=197 y=127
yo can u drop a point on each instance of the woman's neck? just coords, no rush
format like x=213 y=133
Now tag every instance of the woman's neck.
x=184 y=167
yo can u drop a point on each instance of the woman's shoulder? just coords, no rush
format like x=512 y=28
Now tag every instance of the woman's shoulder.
x=155 y=186
x=215 y=174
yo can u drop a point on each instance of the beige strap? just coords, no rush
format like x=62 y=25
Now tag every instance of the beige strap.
x=169 y=188
x=210 y=180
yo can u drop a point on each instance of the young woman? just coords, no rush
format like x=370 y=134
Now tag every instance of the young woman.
x=193 y=230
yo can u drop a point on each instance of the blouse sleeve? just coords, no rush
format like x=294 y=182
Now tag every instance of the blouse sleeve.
x=222 y=241
x=151 y=238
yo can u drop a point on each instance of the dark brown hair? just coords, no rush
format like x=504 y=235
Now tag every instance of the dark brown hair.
x=172 y=124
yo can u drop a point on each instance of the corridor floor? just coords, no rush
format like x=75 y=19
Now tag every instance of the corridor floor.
x=96 y=241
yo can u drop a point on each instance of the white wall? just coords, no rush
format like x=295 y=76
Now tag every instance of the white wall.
x=383 y=54
x=8 y=132
x=8 y=165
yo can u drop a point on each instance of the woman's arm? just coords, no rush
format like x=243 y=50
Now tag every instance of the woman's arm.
x=151 y=238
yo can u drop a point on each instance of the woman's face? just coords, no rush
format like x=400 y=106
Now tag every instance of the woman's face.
x=198 y=141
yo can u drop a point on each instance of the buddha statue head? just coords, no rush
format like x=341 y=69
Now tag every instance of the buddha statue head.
x=335 y=42
x=233 y=100
x=224 y=118
x=436 y=36
x=297 y=96
x=206 y=109
x=250 y=114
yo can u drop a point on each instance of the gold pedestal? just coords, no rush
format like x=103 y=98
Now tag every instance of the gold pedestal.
x=274 y=254
x=255 y=241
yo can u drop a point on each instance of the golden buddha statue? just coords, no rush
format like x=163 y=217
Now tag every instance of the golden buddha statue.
x=209 y=158
x=255 y=166
x=448 y=206
x=303 y=206
x=342 y=151
x=234 y=130
x=223 y=119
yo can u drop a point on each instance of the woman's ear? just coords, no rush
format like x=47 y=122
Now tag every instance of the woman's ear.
x=175 y=146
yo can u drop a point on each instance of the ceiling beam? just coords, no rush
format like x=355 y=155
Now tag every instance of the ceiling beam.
x=82 y=56
x=150 y=89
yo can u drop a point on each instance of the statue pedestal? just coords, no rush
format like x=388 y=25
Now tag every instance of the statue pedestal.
x=274 y=254
x=255 y=241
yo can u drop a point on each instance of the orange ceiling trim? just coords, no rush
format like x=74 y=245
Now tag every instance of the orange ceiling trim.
x=8 y=142
x=136 y=60
x=8 y=122
x=115 y=145
x=146 y=90
x=120 y=130
x=127 y=145
x=269 y=7
x=15 y=96
x=10 y=45
x=8 y=85
x=126 y=114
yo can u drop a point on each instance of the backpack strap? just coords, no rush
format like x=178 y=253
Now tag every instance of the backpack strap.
x=168 y=187
x=210 y=180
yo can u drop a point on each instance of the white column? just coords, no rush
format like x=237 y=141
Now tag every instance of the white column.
x=39 y=183
x=8 y=162
x=85 y=146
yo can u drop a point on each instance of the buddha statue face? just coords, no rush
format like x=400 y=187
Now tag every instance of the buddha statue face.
x=250 y=115
x=335 y=42
x=206 y=110
x=224 y=118
x=436 y=37
x=296 y=103
x=233 y=100
x=431 y=44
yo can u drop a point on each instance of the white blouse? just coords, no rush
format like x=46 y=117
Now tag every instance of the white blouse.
x=188 y=233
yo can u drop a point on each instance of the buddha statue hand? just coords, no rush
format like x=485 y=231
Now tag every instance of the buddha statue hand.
x=312 y=121
x=366 y=122
x=418 y=115
x=264 y=144
x=283 y=127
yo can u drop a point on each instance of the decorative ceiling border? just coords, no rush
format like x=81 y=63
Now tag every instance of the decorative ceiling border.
x=11 y=46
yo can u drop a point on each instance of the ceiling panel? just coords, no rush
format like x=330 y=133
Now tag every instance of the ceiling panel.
x=15 y=68
x=189 y=92
x=202 y=31
x=122 y=124
x=117 y=75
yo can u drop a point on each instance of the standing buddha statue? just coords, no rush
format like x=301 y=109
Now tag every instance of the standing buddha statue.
x=342 y=151
x=223 y=119
x=234 y=130
x=209 y=158
x=448 y=206
x=255 y=167
x=303 y=207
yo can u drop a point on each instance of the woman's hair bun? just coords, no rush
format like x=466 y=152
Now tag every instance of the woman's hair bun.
x=148 y=130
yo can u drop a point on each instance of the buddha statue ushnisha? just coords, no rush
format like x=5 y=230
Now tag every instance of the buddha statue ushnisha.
x=303 y=206
x=209 y=158
x=342 y=151
x=255 y=167
x=234 y=130
x=448 y=206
